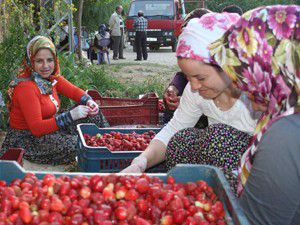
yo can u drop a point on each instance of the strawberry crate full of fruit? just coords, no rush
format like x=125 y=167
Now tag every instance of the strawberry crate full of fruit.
x=189 y=194
x=112 y=149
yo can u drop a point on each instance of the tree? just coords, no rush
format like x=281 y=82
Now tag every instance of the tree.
x=78 y=28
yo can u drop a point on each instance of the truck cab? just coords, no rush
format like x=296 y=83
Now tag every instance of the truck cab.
x=164 y=22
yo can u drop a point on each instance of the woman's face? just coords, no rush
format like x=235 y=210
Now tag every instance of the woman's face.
x=44 y=63
x=207 y=80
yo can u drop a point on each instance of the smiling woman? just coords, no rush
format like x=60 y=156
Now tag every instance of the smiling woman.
x=209 y=92
x=44 y=63
x=35 y=124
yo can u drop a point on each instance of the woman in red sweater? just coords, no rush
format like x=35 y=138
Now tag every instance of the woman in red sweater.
x=35 y=125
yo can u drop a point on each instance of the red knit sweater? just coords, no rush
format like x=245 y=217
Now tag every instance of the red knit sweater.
x=30 y=110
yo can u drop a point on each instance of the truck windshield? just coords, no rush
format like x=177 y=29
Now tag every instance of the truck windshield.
x=152 y=8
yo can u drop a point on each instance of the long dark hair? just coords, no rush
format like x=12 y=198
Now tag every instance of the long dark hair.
x=196 y=13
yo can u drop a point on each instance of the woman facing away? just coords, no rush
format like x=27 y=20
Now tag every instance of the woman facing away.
x=209 y=92
x=34 y=120
x=261 y=53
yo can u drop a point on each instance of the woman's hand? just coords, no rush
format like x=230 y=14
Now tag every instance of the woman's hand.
x=94 y=108
x=170 y=98
x=80 y=112
x=138 y=165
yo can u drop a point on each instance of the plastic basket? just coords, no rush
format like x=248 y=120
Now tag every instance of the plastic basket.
x=100 y=159
x=120 y=111
x=14 y=154
x=182 y=173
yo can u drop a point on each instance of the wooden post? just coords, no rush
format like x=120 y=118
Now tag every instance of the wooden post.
x=1 y=24
x=80 y=6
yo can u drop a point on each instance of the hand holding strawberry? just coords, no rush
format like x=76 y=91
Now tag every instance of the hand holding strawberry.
x=94 y=108
x=171 y=98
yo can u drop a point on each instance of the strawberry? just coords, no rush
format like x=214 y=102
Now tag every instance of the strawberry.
x=76 y=219
x=121 y=213
x=25 y=214
x=56 y=205
x=85 y=192
x=108 y=192
x=142 y=205
x=166 y=220
x=49 y=180
x=132 y=195
x=179 y=216
x=170 y=180
x=142 y=185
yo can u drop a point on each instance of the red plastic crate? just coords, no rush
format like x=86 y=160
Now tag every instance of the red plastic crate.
x=14 y=154
x=121 y=111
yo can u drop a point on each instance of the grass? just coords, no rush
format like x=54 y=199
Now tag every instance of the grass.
x=130 y=79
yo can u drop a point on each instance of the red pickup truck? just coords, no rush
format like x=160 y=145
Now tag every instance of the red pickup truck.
x=164 y=22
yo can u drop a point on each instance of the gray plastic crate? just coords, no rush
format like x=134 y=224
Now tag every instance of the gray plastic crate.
x=10 y=170
x=100 y=159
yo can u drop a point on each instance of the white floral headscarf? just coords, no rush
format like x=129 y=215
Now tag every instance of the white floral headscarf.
x=200 y=32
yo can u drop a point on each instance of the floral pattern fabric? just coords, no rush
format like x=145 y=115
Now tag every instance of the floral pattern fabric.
x=218 y=145
x=200 y=32
x=261 y=53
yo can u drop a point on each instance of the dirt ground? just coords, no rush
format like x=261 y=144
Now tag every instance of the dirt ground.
x=161 y=63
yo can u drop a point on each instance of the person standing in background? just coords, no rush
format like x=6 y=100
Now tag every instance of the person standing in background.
x=116 y=25
x=140 y=26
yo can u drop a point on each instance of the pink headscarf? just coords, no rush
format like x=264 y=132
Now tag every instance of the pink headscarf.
x=200 y=32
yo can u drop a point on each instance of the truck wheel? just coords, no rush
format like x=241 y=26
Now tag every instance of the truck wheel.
x=152 y=47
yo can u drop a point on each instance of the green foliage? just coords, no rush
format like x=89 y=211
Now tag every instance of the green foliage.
x=13 y=46
x=96 y=12
x=218 y=5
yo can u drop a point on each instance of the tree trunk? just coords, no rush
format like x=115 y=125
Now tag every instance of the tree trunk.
x=78 y=28
x=2 y=23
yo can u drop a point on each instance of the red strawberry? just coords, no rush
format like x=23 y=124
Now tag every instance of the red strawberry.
x=175 y=204
x=170 y=180
x=179 y=216
x=2 y=183
x=108 y=192
x=132 y=195
x=56 y=205
x=142 y=185
x=121 y=213
x=85 y=192
x=76 y=219
x=65 y=188
x=49 y=180
x=142 y=205
x=25 y=214
x=121 y=192
x=166 y=220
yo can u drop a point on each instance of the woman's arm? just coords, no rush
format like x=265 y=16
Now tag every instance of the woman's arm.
x=185 y=116
x=68 y=89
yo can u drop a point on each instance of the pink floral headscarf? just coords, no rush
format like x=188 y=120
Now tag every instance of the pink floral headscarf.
x=200 y=32
x=262 y=54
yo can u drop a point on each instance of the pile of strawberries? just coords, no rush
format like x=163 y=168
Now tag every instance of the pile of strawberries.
x=116 y=141
x=108 y=200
